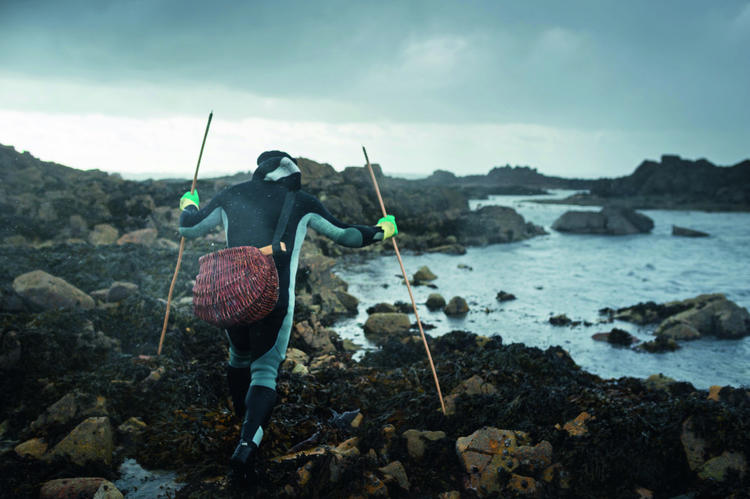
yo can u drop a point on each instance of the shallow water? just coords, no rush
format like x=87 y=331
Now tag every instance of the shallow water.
x=138 y=483
x=578 y=275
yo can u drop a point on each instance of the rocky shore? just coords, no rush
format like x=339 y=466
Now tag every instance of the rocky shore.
x=88 y=259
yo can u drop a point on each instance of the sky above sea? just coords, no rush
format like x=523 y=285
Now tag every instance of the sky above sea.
x=575 y=89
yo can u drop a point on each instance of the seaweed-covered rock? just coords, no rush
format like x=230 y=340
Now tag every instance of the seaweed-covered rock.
x=384 y=326
x=90 y=441
x=423 y=275
x=610 y=220
x=103 y=234
x=435 y=301
x=79 y=487
x=47 y=292
x=685 y=232
x=457 y=306
x=72 y=406
x=146 y=237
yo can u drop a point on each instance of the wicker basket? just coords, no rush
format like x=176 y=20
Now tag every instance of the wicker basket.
x=235 y=286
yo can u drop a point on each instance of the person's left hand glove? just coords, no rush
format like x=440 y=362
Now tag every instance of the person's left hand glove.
x=188 y=199
x=388 y=224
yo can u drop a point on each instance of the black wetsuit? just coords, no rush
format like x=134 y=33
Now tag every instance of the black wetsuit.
x=249 y=212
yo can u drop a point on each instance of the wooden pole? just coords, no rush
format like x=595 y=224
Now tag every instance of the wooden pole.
x=182 y=242
x=408 y=286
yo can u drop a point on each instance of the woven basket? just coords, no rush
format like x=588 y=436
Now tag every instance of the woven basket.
x=235 y=286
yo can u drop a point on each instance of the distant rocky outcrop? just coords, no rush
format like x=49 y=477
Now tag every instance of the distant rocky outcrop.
x=610 y=221
x=675 y=183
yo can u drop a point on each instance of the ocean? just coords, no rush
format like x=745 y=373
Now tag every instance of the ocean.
x=577 y=275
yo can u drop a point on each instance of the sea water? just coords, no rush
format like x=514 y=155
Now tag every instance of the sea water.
x=577 y=275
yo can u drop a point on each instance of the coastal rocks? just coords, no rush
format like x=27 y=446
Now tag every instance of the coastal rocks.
x=34 y=448
x=90 y=441
x=609 y=221
x=504 y=296
x=456 y=307
x=423 y=275
x=685 y=232
x=491 y=225
x=72 y=406
x=475 y=385
x=83 y=487
x=103 y=234
x=47 y=292
x=146 y=237
x=435 y=301
x=418 y=441
x=616 y=336
x=316 y=337
x=384 y=326
x=713 y=469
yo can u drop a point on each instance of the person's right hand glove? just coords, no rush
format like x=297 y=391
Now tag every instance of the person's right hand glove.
x=388 y=224
x=188 y=199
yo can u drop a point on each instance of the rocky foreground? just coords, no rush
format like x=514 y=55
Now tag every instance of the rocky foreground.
x=83 y=390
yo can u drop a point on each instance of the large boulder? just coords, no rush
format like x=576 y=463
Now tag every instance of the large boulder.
x=103 y=234
x=707 y=315
x=79 y=487
x=457 y=307
x=146 y=237
x=47 y=292
x=72 y=406
x=90 y=441
x=491 y=225
x=384 y=326
x=613 y=221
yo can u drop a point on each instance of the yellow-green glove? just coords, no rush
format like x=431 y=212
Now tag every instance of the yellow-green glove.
x=388 y=224
x=189 y=198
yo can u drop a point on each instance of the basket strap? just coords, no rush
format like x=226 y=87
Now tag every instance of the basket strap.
x=286 y=211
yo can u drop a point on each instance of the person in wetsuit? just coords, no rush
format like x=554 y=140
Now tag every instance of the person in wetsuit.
x=249 y=212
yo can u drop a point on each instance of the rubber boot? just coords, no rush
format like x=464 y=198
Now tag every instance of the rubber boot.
x=239 y=383
x=259 y=403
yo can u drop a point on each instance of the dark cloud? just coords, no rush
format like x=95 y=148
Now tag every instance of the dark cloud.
x=632 y=65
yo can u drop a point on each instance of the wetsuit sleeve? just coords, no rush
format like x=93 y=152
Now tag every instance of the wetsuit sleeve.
x=196 y=223
x=353 y=236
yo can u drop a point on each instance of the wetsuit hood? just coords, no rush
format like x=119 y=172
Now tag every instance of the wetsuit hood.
x=279 y=167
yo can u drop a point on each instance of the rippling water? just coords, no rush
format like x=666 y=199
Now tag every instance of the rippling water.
x=577 y=275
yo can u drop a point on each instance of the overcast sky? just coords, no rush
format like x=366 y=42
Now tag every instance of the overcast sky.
x=574 y=88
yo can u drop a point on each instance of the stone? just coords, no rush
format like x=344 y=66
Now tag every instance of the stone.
x=84 y=487
x=486 y=453
x=146 y=237
x=167 y=244
x=457 y=306
x=417 y=440
x=534 y=458
x=422 y=275
x=350 y=302
x=382 y=308
x=522 y=485
x=448 y=249
x=717 y=468
x=90 y=441
x=71 y=406
x=685 y=232
x=383 y=326
x=609 y=221
x=503 y=296
x=130 y=434
x=678 y=331
x=659 y=345
x=560 y=320
x=47 y=292
x=435 y=301
x=103 y=234
x=694 y=446
x=35 y=448
x=475 y=385
x=121 y=290
x=577 y=427
x=713 y=393
x=659 y=382
x=297 y=356
x=395 y=471
x=317 y=338
x=616 y=337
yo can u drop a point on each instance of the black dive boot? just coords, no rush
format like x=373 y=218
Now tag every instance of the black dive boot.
x=259 y=403
x=239 y=383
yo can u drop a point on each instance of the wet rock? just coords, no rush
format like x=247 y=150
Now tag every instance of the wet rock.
x=695 y=447
x=130 y=434
x=522 y=485
x=350 y=302
x=297 y=356
x=48 y=292
x=448 y=249
x=382 y=308
x=685 y=232
x=168 y=244
x=660 y=345
x=316 y=337
x=79 y=488
x=678 y=331
x=423 y=275
x=609 y=221
x=387 y=325
x=659 y=382
x=457 y=306
x=533 y=459
x=435 y=301
x=475 y=385
x=577 y=427
x=34 y=448
x=713 y=393
x=712 y=315
x=72 y=406
x=616 y=337
x=417 y=441
x=90 y=441
x=560 y=320
x=146 y=237
x=487 y=452
x=503 y=296
x=491 y=225
x=103 y=234
x=395 y=471
x=121 y=290
x=718 y=467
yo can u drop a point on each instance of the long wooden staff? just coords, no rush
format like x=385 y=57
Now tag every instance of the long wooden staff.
x=182 y=242
x=408 y=286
